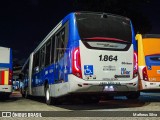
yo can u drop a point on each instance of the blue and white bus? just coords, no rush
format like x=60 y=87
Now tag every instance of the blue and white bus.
x=88 y=54
x=5 y=71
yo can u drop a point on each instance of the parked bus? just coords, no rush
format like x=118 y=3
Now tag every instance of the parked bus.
x=88 y=54
x=149 y=61
x=5 y=71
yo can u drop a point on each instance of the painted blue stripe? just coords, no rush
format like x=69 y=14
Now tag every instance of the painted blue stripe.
x=68 y=17
x=150 y=62
x=133 y=38
x=11 y=59
x=7 y=65
x=73 y=31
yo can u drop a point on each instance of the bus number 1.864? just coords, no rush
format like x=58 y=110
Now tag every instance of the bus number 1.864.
x=108 y=58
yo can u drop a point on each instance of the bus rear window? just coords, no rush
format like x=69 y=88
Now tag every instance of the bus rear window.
x=95 y=25
x=4 y=55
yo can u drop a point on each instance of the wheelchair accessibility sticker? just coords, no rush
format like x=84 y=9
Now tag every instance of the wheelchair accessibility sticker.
x=88 y=69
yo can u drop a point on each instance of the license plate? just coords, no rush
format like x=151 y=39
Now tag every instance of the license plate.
x=109 y=83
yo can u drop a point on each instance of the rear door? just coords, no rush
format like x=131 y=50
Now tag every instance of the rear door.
x=106 y=60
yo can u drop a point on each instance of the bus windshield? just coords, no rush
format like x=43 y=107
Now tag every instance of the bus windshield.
x=107 y=26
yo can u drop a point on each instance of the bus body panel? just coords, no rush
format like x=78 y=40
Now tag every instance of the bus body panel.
x=60 y=89
x=149 y=53
x=152 y=58
x=6 y=89
x=101 y=74
x=52 y=74
x=151 y=46
x=5 y=70
x=78 y=85
x=115 y=67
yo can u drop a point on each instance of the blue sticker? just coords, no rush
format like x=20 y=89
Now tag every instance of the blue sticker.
x=88 y=69
x=149 y=67
x=124 y=71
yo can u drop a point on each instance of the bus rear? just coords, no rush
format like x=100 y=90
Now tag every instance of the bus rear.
x=5 y=71
x=105 y=60
x=149 y=61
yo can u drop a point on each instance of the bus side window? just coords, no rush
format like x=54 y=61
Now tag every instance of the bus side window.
x=53 y=49
x=48 y=53
x=36 y=62
x=42 y=57
x=60 y=44
x=66 y=35
x=57 y=47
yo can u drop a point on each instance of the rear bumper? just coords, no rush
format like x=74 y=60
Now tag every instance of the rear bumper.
x=150 y=85
x=6 y=89
x=78 y=85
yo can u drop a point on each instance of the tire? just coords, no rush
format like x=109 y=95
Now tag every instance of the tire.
x=47 y=95
x=134 y=95
x=49 y=99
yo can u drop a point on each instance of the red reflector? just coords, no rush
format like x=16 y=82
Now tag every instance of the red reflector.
x=130 y=83
x=135 y=71
x=10 y=77
x=85 y=84
x=145 y=75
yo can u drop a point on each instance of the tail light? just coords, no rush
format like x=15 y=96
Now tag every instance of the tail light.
x=76 y=63
x=144 y=72
x=10 y=77
x=135 y=72
x=6 y=77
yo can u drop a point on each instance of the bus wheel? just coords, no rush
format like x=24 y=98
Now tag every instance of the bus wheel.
x=134 y=95
x=49 y=99
x=47 y=95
